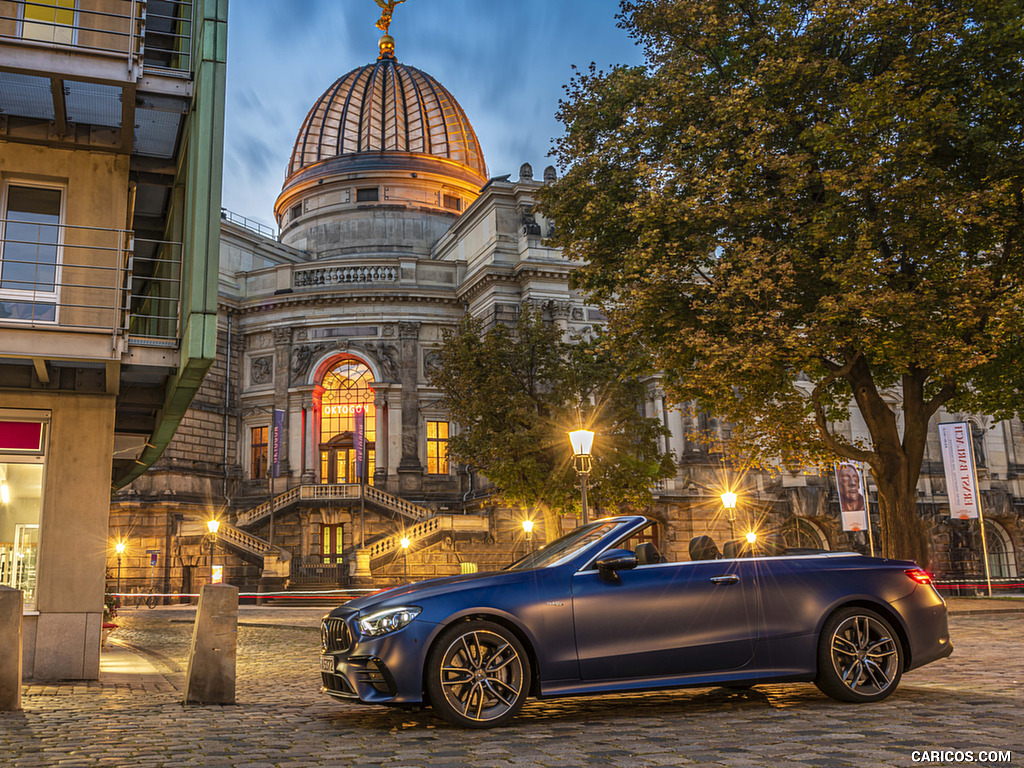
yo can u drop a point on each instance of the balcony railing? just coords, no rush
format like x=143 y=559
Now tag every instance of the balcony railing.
x=89 y=279
x=157 y=33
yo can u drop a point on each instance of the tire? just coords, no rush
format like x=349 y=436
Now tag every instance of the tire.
x=860 y=657
x=478 y=675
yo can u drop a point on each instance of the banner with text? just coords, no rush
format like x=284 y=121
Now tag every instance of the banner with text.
x=278 y=429
x=958 y=461
x=852 y=499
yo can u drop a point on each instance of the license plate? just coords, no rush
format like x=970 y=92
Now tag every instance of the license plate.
x=327 y=664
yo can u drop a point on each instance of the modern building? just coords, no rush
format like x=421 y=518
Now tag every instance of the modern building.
x=111 y=126
x=317 y=440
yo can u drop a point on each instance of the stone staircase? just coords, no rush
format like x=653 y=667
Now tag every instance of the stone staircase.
x=420 y=535
x=346 y=492
x=250 y=548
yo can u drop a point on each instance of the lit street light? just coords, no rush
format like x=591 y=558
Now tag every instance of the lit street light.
x=405 y=552
x=582 y=442
x=528 y=530
x=119 y=547
x=213 y=525
x=729 y=502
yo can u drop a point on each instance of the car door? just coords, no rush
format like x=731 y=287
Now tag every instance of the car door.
x=665 y=620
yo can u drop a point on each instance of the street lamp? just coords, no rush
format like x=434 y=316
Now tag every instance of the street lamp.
x=119 y=548
x=729 y=502
x=213 y=525
x=582 y=441
x=405 y=553
x=528 y=530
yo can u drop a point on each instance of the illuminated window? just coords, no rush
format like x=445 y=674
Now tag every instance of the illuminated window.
x=331 y=543
x=258 y=452
x=22 y=465
x=51 y=21
x=348 y=424
x=30 y=255
x=437 y=447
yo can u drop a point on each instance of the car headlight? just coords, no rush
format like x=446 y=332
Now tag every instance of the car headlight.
x=387 y=620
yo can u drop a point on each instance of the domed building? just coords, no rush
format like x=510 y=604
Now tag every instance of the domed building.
x=318 y=442
x=332 y=447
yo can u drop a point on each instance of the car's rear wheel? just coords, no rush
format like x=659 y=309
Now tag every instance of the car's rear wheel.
x=860 y=657
x=478 y=675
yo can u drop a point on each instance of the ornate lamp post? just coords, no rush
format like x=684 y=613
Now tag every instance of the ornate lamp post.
x=119 y=548
x=405 y=553
x=582 y=442
x=729 y=502
x=213 y=525
x=528 y=530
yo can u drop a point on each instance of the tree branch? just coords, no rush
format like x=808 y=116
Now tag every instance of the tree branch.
x=842 y=449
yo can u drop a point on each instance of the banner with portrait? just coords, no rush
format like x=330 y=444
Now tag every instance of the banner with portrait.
x=958 y=463
x=853 y=505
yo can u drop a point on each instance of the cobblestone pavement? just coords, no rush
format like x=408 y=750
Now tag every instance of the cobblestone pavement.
x=971 y=701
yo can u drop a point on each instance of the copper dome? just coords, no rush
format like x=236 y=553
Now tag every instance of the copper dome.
x=387 y=107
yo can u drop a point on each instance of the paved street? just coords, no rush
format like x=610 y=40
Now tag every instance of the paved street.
x=133 y=716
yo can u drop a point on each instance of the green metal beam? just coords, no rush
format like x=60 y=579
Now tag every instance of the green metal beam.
x=195 y=220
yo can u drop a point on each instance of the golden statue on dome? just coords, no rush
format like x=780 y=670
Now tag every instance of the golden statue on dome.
x=387 y=8
x=387 y=42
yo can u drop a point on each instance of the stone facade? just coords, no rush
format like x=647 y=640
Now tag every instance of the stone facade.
x=352 y=300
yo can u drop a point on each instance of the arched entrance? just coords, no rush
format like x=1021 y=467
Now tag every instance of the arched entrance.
x=348 y=423
x=800 y=533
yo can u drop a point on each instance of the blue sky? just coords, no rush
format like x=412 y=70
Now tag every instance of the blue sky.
x=506 y=61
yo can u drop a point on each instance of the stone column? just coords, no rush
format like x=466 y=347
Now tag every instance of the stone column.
x=10 y=649
x=282 y=374
x=211 y=660
x=560 y=313
x=410 y=471
x=380 y=472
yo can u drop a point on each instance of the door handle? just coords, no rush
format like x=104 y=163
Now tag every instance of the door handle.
x=730 y=578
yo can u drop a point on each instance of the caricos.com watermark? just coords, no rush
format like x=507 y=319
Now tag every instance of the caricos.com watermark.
x=961 y=756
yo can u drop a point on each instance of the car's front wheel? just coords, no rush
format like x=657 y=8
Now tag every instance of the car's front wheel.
x=478 y=675
x=860 y=657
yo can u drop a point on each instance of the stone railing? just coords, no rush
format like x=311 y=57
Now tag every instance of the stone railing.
x=233 y=536
x=345 y=275
x=337 y=492
x=395 y=504
x=435 y=525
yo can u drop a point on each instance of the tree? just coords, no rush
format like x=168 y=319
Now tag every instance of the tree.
x=795 y=206
x=516 y=391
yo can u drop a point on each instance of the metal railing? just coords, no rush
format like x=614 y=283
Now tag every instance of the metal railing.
x=94 y=279
x=250 y=224
x=156 y=32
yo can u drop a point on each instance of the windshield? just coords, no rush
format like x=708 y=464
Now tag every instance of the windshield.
x=567 y=547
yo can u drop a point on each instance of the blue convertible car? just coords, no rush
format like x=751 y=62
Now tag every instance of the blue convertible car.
x=599 y=611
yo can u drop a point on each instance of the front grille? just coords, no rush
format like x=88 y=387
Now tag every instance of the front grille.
x=334 y=635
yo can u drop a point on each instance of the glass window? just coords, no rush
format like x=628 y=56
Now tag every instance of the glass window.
x=331 y=543
x=21 y=494
x=258 y=452
x=1002 y=564
x=51 y=21
x=366 y=195
x=437 y=447
x=29 y=261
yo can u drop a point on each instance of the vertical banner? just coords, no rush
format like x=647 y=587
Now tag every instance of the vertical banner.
x=278 y=429
x=360 y=442
x=852 y=499
x=958 y=462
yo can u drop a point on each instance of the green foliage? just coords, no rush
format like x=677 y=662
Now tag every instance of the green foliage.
x=516 y=391
x=799 y=204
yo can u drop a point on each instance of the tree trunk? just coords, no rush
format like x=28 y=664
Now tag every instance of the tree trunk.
x=903 y=532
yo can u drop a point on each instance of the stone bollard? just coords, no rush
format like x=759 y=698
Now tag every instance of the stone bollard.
x=211 y=658
x=10 y=649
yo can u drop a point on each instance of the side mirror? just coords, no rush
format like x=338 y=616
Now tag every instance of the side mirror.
x=615 y=560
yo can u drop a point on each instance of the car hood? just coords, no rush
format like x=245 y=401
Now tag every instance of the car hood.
x=424 y=590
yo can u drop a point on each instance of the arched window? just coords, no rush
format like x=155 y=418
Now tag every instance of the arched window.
x=348 y=424
x=800 y=533
x=1002 y=562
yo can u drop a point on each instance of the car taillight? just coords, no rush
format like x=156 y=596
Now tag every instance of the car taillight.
x=919 y=575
